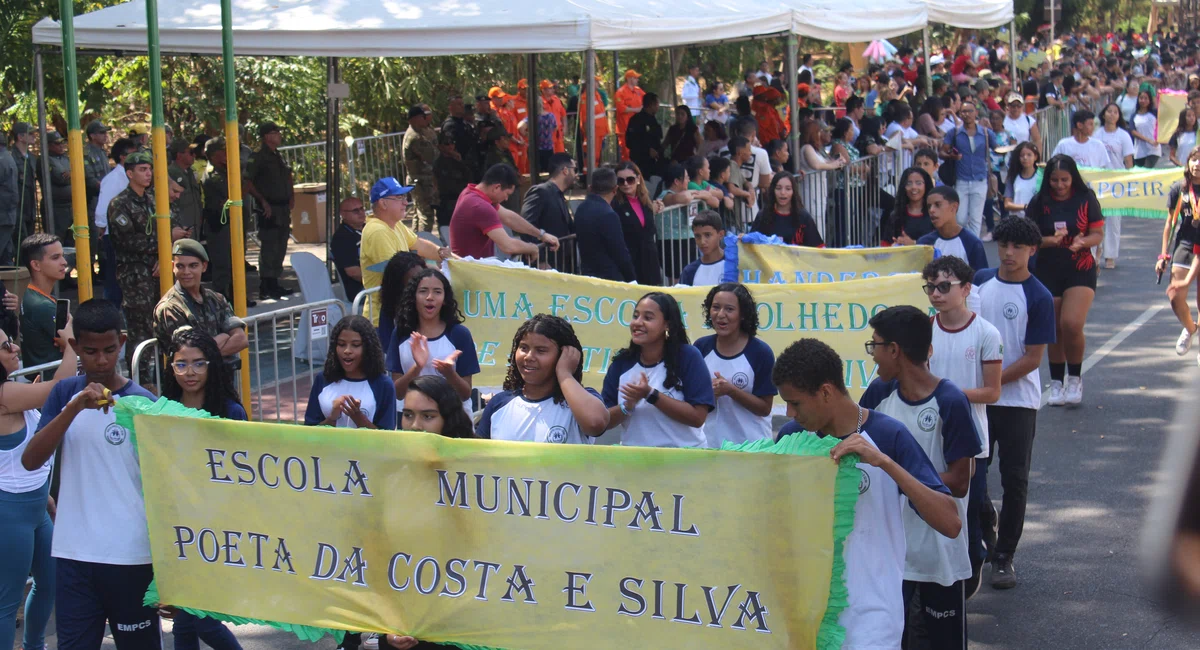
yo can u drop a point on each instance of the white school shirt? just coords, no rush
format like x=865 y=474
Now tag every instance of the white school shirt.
x=646 y=425
x=750 y=371
x=1119 y=144
x=703 y=274
x=965 y=246
x=1019 y=128
x=511 y=416
x=1147 y=125
x=1023 y=191
x=14 y=478
x=960 y=355
x=875 y=548
x=455 y=337
x=1023 y=313
x=1091 y=153
x=376 y=396
x=101 y=514
x=113 y=183
x=1184 y=145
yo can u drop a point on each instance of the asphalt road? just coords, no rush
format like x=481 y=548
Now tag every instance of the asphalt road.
x=1091 y=482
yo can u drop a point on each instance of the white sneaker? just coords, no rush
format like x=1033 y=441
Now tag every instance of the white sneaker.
x=370 y=641
x=1184 y=343
x=1057 y=398
x=1074 y=390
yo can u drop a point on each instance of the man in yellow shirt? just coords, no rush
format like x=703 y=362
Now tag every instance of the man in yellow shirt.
x=384 y=235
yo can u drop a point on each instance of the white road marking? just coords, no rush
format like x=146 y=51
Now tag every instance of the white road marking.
x=1112 y=343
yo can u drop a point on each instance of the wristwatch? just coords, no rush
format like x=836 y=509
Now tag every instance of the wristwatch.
x=541 y=233
x=652 y=397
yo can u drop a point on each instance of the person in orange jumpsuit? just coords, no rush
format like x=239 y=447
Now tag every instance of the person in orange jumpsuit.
x=504 y=105
x=552 y=104
x=770 y=124
x=600 y=115
x=628 y=102
x=520 y=102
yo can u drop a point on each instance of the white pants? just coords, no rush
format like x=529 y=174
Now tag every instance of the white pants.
x=1111 y=247
x=971 y=197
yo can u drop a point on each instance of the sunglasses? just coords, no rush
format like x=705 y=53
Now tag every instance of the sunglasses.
x=627 y=180
x=870 y=346
x=7 y=346
x=941 y=287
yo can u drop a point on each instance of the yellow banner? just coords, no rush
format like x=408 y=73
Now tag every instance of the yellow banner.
x=496 y=300
x=1170 y=104
x=780 y=264
x=1136 y=192
x=510 y=545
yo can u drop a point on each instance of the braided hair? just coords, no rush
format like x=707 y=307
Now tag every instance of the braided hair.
x=676 y=337
x=218 y=387
x=408 y=320
x=554 y=328
x=372 y=351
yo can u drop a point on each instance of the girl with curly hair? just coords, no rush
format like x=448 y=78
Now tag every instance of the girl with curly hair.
x=430 y=338
x=543 y=399
x=740 y=366
x=199 y=378
x=658 y=386
x=353 y=391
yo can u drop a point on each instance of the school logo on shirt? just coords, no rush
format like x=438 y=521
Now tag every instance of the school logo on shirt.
x=1011 y=310
x=741 y=380
x=115 y=434
x=970 y=353
x=864 y=481
x=927 y=419
x=557 y=434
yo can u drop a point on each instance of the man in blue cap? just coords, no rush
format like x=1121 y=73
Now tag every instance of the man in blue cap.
x=384 y=235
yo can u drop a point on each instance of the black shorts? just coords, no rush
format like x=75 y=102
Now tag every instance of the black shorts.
x=1059 y=273
x=1183 y=256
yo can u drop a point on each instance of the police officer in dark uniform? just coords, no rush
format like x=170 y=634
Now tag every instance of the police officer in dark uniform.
x=269 y=181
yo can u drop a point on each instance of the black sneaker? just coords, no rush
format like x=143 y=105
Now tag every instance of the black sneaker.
x=971 y=585
x=1003 y=575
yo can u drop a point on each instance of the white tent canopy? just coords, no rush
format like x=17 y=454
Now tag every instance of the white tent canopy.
x=355 y=28
x=971 y=14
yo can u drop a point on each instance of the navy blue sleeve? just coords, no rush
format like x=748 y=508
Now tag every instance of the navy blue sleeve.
x=618 y=249
x=928 y=239
x=611 y=391
x=1040 y=328
x=392 y=356
x=894 y=440
x=484 y=428
x=960 y=439
x=695 y=377
x=762 y=360
x=812 y=236
x=234 y=411
x=313 y=414
x=688 y=276
x=62 y=393
x=385 y=402
x=468 y=361
x=788 y=429
x=983 y=275
x=706 y=344
x=875 y=393
x=976 y=254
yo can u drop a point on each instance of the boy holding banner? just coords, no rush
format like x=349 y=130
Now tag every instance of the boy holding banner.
x=810 y=377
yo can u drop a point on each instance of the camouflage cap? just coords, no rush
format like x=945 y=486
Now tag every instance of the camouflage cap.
x=138 y=158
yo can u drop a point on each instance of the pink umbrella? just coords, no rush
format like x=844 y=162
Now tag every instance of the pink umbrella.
x=876 y=52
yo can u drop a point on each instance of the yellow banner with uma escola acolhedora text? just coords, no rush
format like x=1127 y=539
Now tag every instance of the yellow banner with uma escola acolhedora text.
x=496 y=300
x=782 y=264
x=522 y=546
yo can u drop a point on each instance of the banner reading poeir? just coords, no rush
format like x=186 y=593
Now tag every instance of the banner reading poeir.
x=522 y=546
x=496 y=300
x=1137 y=192
x=782 y=264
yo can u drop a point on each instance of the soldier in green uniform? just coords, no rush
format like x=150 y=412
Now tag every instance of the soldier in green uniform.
x=58 y=186
x=452 y=173
x=23 y=135
x=187 y=210
x=216 y=218
x=188 y=304
x=269 y=181
x=95 y=162
x=419 y=154
x=134 y=237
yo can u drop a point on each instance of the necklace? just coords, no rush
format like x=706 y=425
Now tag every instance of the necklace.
x=858 y=427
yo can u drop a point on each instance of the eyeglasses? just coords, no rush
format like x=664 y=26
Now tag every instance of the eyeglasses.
x=627 y=180
x=7 y=346
x=941 y=287
x=870 y=346
x=198 y=367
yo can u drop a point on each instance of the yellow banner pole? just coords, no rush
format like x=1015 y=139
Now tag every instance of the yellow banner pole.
x=233 y=160
x=83 y=244
x=162 y=203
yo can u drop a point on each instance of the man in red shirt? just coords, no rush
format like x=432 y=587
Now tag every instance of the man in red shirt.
x=477 y=225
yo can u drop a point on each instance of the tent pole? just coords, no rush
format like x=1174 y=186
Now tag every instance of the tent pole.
x=333 y=188
x=83 y=244
x=674 y=93
x=233 y=166
x=793 y=74
x=1012 y=52
x=928 y=50
x=533 y=101
x=45 y=161
x=162 y=207
x=589 y=104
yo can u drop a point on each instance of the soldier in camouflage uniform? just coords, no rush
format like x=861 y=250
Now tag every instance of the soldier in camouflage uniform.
x=188 y=304
x=188 y=208
x=134 y=237
x=419 y=155
x=95 y=168
x=58 y=186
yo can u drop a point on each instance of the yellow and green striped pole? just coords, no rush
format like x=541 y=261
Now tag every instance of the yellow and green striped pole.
x=158 y=135
x=83 y=244
x=233 y=165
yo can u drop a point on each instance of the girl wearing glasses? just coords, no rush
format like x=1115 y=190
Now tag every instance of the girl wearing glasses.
x=200 y=379
x=658 y=386
x=353 y=391
x=1068 y=214
x=740 y=366
x=26 y=507
x=633 y=205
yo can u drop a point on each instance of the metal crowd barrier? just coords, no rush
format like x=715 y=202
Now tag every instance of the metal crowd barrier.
x=279 y=375
x=34 y=371
x=563 y=260
x=676 y=247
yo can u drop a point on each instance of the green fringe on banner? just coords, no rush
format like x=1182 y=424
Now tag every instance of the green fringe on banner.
x=830 y=635
x=1140 y=213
